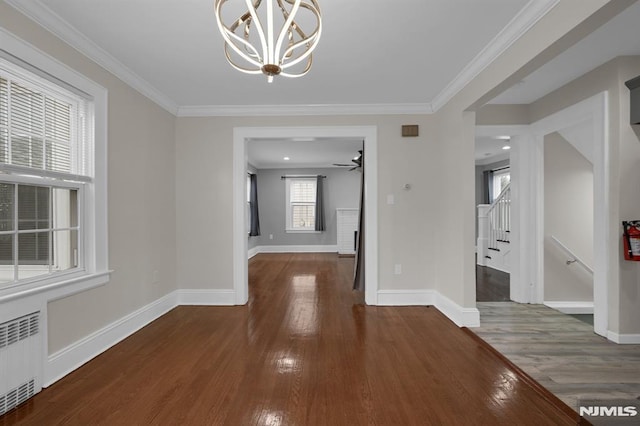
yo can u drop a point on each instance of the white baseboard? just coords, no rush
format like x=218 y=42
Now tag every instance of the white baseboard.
x=462 y=317
x=253 y=251
x=73 y=356
x=406 y=297
x=567 y=307
x=624 y=339
x=206 y=297
x=84 y=350
x=297 y=249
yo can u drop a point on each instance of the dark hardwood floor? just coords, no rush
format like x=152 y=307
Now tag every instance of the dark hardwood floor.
x=491 y=285
x=303 y=351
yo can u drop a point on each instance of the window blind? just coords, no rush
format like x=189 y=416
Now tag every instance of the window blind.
x=41 y=129
x=303 y=191
x=302 y=199
x=43 y=142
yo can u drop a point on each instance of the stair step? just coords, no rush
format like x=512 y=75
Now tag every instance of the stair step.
x=487 y=257
x=494 y=249
x=504 y=241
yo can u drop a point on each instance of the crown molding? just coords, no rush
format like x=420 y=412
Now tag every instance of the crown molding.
x=516 y=28
x=52 y=22
x=298 y=110
x=520 y=24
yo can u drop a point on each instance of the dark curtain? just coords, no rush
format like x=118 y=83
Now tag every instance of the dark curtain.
x=358 y=276
x=487 y=187
x=254 y=231
x=319 y=205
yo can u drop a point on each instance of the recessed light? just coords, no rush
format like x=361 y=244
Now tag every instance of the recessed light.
x=506 y=147
x=356 y=157
x=286 y=158
x=503 y=138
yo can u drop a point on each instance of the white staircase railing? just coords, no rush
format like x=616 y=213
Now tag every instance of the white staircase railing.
x=499 y=215
x=494 y=225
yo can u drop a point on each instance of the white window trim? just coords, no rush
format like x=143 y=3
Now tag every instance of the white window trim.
x=96 y=271
x=288 y=228
x=58 y=275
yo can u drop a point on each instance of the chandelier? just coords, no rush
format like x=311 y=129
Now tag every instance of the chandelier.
x=270 y=40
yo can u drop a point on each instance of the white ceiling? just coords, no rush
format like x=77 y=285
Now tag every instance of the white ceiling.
x=317 y=153
x=371 y=51
x=415 y=53
x=618 y=37
x=489 y=149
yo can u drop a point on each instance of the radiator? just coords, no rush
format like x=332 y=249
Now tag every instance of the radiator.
x=20 y=360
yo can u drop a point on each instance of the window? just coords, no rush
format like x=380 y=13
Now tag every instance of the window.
x=46 y=177
x=501 y=179
x=301 y=204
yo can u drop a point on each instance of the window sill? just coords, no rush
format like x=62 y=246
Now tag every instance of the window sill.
x=302 y=231
x=56 y=287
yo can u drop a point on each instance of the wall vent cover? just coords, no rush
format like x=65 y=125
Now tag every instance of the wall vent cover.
x=20 y=360
x=410 y=130
x=17 y=396
x=19 y=329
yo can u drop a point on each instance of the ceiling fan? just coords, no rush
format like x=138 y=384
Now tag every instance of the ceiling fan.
x=357 y=161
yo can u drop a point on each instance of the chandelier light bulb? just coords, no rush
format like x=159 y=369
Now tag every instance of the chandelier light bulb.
x=276 y=39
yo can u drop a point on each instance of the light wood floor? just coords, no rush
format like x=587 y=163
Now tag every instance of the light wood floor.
x=561 y=352
x=304 y=351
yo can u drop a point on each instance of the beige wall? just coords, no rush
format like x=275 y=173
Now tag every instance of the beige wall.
x=406 y=229
x=629 y=198
x=624 y=151
x=568 y=216
x=502 y=115
x=430 y=229
x=624 y=175
x=560 y=28
x=141 y=198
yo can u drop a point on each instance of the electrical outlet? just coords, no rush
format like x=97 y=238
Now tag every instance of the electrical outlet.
x=271 y=236
x=397 y=269
x=156 y=277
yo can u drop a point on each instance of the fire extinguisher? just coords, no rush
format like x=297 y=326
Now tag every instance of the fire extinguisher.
x=631 y=239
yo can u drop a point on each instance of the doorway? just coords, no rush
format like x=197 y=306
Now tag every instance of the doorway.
x=527 y=269
x=495 y=233
x=591 y=116
x=240 y=146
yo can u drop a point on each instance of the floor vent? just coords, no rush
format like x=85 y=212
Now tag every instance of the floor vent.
x=20 y=360
x=17 y=396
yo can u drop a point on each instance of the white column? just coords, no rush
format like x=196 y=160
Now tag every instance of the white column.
x=523 y=218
